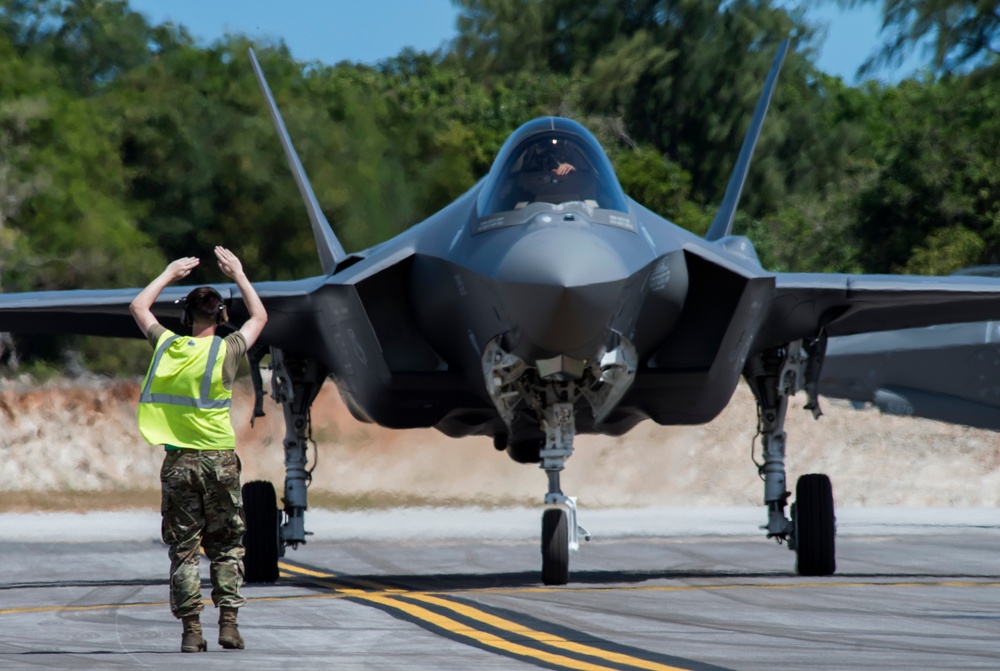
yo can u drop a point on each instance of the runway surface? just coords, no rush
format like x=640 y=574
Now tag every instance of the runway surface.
x=657 y=589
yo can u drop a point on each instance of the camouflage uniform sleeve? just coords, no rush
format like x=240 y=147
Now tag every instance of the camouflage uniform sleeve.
x=236 y=347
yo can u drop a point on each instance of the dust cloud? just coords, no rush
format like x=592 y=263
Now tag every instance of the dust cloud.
x=81 y=437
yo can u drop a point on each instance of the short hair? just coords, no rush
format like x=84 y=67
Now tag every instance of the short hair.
x=204 y=304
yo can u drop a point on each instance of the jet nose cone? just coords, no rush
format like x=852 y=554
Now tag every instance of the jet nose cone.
x=560 y=288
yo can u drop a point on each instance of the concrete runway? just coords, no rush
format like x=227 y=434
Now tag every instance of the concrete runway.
x=657 y=589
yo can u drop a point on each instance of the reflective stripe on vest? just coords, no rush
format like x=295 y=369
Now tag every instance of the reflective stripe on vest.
x=203 y=400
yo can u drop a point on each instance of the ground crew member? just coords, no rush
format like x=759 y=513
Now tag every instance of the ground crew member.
x=184 y=405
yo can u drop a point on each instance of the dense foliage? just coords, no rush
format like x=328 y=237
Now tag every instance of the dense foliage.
x=125 y=144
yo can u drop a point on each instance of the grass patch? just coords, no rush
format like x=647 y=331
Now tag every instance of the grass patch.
x=79 y=501
x=329 y=500
x=149 y=499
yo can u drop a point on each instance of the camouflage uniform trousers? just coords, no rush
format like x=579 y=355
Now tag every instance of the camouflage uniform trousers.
x=202 y=506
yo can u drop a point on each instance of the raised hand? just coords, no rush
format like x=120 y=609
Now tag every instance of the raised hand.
x=228 y=263
x=231 y=266
x=181 y=268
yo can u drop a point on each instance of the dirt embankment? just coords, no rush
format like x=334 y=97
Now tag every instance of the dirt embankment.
x=67 y=444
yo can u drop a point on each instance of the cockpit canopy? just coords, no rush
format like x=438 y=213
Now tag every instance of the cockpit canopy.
x=555 y=161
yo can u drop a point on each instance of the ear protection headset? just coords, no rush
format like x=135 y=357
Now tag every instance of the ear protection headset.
x=221 y=315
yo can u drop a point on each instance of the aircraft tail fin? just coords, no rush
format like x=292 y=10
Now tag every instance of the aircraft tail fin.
x=330 y=249
x=722 y=224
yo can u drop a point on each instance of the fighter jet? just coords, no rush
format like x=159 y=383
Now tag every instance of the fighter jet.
x=949 y=373
x=541 y=304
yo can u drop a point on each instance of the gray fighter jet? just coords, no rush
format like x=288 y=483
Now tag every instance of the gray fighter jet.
x=949 y=373
x=541 y=304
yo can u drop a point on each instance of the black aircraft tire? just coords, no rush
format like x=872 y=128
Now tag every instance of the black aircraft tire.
x=261 y=540
x=555 y=547
x=815 y=526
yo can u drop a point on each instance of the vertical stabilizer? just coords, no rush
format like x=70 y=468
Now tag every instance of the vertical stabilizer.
x=330 y=249
x=722 y=225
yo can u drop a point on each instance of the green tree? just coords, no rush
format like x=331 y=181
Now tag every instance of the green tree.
x=938 y=180
x=661 y=185
x=89 y=42
x=204 y=161
x=946 y=250
x=65 y=218
x=682 y=75
x=73 y=225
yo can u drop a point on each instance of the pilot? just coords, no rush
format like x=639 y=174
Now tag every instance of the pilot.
x=536 y=175
x=551 y=155
x=184 y=405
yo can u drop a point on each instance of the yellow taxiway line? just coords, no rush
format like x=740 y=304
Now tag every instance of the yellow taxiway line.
x=490 y=631
x=389 y=597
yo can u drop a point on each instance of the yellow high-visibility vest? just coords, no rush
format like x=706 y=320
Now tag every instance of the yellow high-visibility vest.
x=183 y=402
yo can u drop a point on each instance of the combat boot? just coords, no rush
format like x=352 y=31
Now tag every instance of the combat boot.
x=229 y=632
x=192 y=640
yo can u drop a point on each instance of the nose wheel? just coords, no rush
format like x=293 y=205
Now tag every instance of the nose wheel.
x=560 y=536
x=555 y=547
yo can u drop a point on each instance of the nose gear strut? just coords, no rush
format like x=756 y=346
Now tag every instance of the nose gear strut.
x=560 y=530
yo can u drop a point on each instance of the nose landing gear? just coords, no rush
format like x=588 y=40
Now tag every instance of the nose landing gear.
x=551 y=389
x=560 y=530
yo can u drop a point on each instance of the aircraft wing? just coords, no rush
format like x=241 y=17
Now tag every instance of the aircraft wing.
x=106 y=312
x=841 y=304
x=948 y=373
x=102 y=312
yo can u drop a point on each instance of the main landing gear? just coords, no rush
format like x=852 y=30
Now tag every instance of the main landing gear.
x=295 y=383
x=774 y=376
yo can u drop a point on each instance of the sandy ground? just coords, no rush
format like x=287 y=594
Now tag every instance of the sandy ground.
x=80 y=438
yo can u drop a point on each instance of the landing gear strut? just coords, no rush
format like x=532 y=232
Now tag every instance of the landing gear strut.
x=774 y=376
x=560 y=531
x=551 y=389
x=295 y=383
